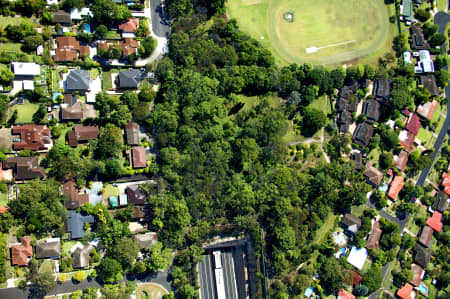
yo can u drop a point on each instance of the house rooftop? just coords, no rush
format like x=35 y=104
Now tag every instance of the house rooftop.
x=48 y=248
x=374 y=237
x=32 y=137
x=25 y=168
x=441 y=202
x=406 y=140
x=405 y=291
x=343 y=294
x=65 y=55
x=130 y=78
x=76 y=200
x=135 y=195
x=382 y=89
x=418 y=39
x=373 y=175
x=60 y=16
x=82 y=133
x=422 y=256
x=445 y=183
x=130 y=25
x=363 y=134
x=20 y=253
x=352 y=222
x=401 y=160
x=429 y=82
x=26 y=69
x=147 y=240
x=132 y=133
x=417 y=274
x=357 y=257
x=396 y=186
x=139 y=157
x=75 y=224
x=425 y=236
x=427 y=110
x=78 y=13
x=78 y=80
x=435 y=221
x=81 y=256
x=413 y=124
x=372 y=110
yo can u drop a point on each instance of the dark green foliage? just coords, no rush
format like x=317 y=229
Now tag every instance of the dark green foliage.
x=374 y=278
x=110 y=270
x=313 y=120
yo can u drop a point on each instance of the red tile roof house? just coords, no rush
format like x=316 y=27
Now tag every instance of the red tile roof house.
x=138 y=156
x=130 y=25
x=374 y=237
x=343 y=294
x=68 y=48
x=82 y=133
x=20 y=253
x=396 y=186
x=32 y=137
x=76 y=200
x=435 y=221
x=401 y=160
x=405 y=291
x=129 y=46
x=413 y=124
x=445 y=183
x=406 y=140
x=25 y=168
x=418 y=274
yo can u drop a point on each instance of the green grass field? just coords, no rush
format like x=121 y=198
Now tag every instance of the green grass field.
x=24 y=112
x=351 y=30
x=6 y=20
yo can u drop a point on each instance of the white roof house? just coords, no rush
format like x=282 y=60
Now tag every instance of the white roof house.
x=40 y=50
x=51 y=2
x=78 y=14
x=28 y=85
x=26 y=69
x=357 y=257
x=426 y=64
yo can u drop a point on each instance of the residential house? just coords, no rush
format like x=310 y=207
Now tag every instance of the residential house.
x=81 y=134
x=425 y=64
x=138 y=156
x=81 y=256
x=132 y=133
x=352 y=278
x=61 y=17
x=418 y=274
x=21 y=253
x=407 y=57
x=418 y=39
x=435 y=221
x=382 y=89
x=351 y=223
x=78 y=80
x=67 y=50
x=406 y=11
x=401 y=160
x=129 y=27
x=406 y=140
x=343 y=294
x=85 y=51
x=71 y=108
x=405 y=291
x=136 y=195
x=413 y=124
x=75 y=200
x=429 y=82
x=374 y=176
x=396 y=186
x=25 y=168
x=363 y=134
x=344 y=120
x=147 y=240
x=422 y=256
x=441 y=202
x=357 y=257
x=374 y=237
x=32 y=137
x=77 y=14
x=357 y=158
x=48 y=248
x=130 y=79
x=75 y=224
x=427 y=110
x=25 y=70
x=371 y=110
x=129 y=47
x=139 y=213
x=445 y=183
x=425 y=236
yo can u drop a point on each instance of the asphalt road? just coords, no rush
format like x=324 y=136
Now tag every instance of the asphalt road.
x=207 y=285
x=159 y=27
x=441 y=19
x=228 y=273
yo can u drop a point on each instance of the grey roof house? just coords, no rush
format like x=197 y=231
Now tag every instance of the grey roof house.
x=62 y=17
x=130 y=79
x=48 y=249
x=132 y=133
x=382 y=89
x=78 y=80
x=75 y=224
x=371 y=110
x=351 y=223
x=422 y=256
x=441 y=202
x=81 y=256
x=146 y=240
x=363 y=134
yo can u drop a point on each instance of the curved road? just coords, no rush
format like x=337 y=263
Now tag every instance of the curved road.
x=441 y=19
x=160 y=22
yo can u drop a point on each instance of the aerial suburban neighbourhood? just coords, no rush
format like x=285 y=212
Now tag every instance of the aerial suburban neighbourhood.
x=224 y=149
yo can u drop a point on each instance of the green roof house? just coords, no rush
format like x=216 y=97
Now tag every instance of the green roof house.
x=406 y=10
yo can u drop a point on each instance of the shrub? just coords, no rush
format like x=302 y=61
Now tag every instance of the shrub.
x=79 y=276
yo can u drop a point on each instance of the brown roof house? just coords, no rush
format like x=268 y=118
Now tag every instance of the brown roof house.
x=401 y=160
x=129 y=46
x=351 y=223
x=139 y=157
x=130 y=25
x=67 y=50
x=425 y=236
x=136 y=195
x=427 y=110
x=374 y=237
x=418 y=39
x=81 y=134
x=32 y=137
x=406 y=140
x=48 y=249
x=374 y=176
x=75 y=200
x=20 y=253
x=418 y=274
x=25 y=168
x=132 y=133
x=363 y=134
x=71 y=108
x=396 y=186
x=429 y=82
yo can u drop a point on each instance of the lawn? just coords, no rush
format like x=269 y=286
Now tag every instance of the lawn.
x=374 y=156
x=3 y=199
x=112 y=35
x=358 y=210
x=426 y=137
x=326 y=227
x=150 y=291
x=327 y=26
x=322 y=104
x=107 y=79
x=109 y=191
x=46 y=267
x=24 y=112
x=66 y=246
x=442 y=4
x=11 y=47
x=6 y=20
x=64 y=131
x=412 y=226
